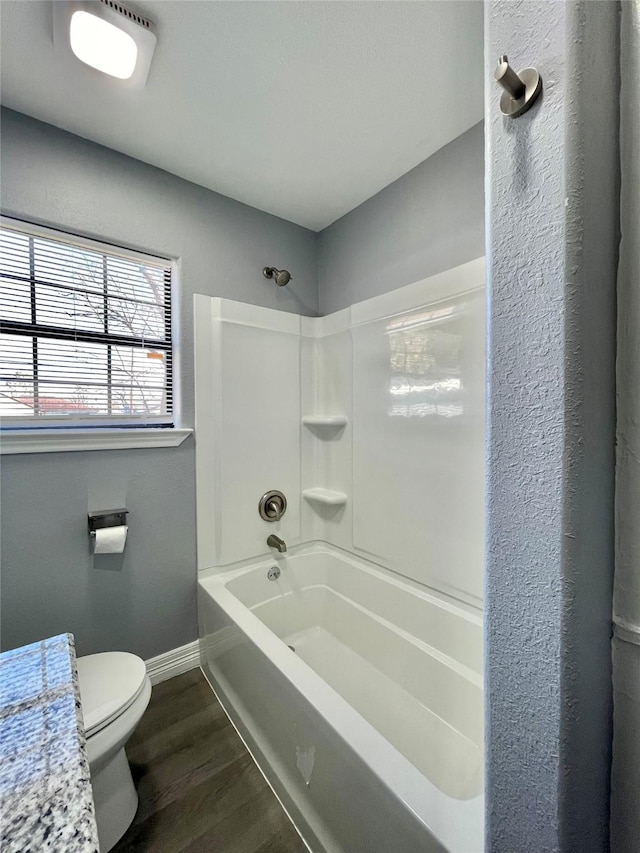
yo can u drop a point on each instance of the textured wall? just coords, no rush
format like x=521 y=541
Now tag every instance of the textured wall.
x=625 y=773
x=627 y=588
x=144 y=603
x=552 y=231
x=429 y=220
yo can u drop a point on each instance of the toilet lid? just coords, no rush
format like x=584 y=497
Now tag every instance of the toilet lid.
x=109 y=682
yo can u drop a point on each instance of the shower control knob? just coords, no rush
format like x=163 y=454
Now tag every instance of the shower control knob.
x=272 y=506
x=274 y=510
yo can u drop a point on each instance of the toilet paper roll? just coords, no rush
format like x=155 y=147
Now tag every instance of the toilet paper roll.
x=111 y=540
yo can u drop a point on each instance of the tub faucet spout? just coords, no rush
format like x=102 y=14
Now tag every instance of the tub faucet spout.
x=274 y=541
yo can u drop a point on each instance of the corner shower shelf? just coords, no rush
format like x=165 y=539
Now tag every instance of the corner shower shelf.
x=328 y=497
x=334 y=421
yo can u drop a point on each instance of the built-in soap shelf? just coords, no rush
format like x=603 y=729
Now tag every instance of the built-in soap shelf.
x=325 y=428
x=327 y=497
x=328 y=421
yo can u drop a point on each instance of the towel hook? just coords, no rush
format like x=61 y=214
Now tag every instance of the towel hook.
x=520 y=90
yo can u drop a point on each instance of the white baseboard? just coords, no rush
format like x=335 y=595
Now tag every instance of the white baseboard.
x=174 y=662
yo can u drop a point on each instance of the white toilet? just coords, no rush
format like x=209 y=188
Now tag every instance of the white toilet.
x=115 y=691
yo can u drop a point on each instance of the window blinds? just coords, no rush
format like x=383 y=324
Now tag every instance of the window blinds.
x=85 y=333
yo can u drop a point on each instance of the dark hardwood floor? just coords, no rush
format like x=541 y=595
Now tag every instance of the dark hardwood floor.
x=198 y=786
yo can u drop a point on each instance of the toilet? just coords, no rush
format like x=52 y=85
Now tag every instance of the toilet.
x=114 y=691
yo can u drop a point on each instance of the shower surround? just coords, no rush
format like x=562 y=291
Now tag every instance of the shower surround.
x=371 y=422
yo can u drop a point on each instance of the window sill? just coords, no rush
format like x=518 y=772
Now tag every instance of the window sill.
x=54 y=441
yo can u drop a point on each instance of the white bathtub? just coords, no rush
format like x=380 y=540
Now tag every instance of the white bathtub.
x=370 y=732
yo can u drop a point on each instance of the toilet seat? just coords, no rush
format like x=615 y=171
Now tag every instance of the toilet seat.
x=109 y=683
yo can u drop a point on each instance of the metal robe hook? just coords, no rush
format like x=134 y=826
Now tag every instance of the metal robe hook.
x=520 y=90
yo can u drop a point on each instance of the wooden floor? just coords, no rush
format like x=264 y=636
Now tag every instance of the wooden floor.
x=198 y=786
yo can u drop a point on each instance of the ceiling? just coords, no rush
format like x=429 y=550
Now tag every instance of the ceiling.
x=302 y=109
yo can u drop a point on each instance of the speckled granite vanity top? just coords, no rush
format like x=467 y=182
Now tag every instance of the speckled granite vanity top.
x=45 y=789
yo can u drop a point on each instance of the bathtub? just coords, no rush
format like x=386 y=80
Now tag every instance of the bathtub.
x=359 y=695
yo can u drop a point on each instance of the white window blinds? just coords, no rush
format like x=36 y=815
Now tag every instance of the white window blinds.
x=85 y=333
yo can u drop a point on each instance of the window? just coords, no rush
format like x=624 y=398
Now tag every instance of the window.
x=85 y=333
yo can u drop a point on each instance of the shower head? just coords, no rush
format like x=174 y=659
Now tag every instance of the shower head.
x=281 y=277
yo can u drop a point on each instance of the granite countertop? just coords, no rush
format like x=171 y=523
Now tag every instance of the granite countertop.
x=46 y=802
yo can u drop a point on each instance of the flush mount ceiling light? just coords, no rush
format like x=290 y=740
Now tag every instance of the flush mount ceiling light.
x=103 y=46
x=106 y=36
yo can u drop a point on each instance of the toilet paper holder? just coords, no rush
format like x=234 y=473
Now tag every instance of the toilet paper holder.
x=106 y=518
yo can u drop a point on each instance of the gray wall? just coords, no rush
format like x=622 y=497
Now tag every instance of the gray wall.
x=427 y=221
x=145 y=602
x=552 y=182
